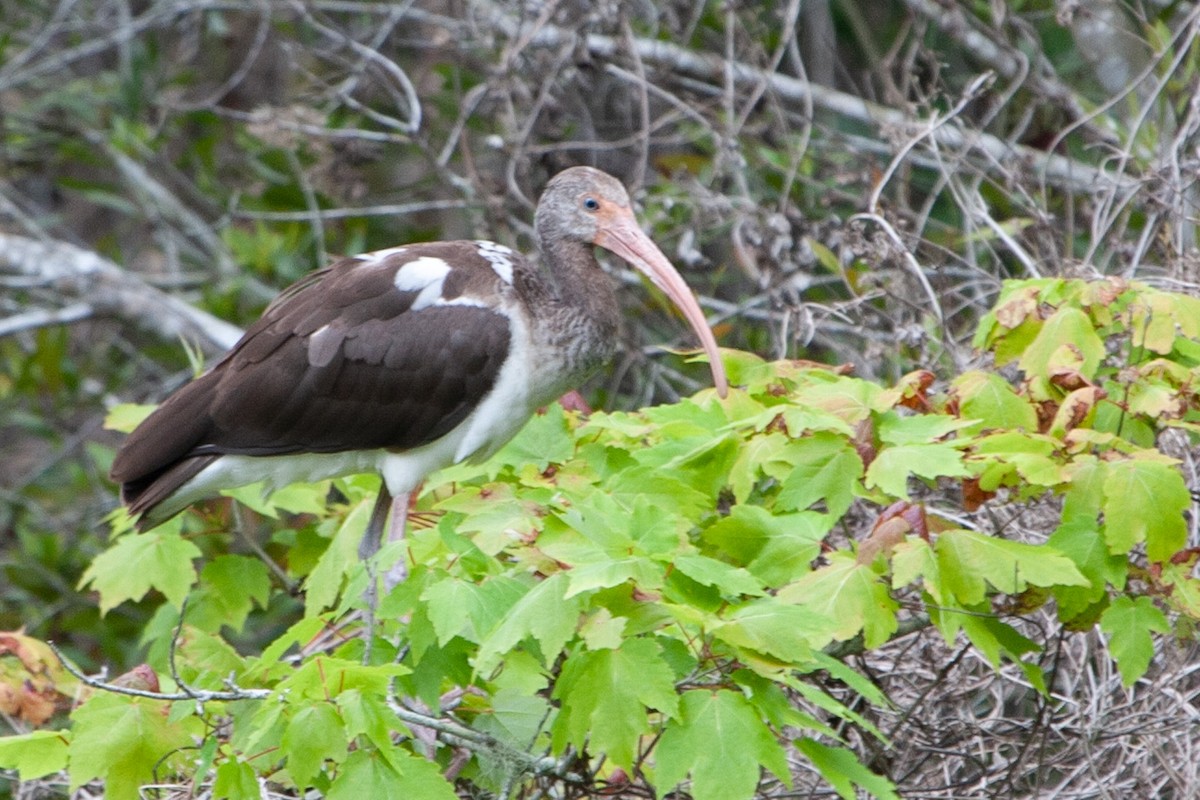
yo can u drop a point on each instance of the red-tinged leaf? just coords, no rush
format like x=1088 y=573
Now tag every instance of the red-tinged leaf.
x=1184 y=588
x=1074 y=409
x=1070 y=328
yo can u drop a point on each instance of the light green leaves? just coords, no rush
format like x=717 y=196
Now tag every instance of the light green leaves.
x=1068 y=337
x=122 y=740
x=314 y=734
x=824 y=467
x=988 y=398
x=391 y=773
x=1129 y=621
x=970 y=561
x=844 y=771
x=544 y=613
x=160 y=560
x=606 y=694
x=34 y=754
x=722 y=742
x=1144 y=501
x=850 y=596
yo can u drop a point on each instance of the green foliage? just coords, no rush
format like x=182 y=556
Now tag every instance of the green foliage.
x=649 y=587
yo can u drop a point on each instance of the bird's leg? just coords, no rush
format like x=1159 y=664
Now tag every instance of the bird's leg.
x=399 y=570
x=371 y=540
x=368 y=549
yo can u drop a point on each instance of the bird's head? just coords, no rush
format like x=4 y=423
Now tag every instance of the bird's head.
x=586 y=205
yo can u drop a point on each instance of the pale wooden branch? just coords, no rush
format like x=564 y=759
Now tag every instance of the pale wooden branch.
x=109 y=290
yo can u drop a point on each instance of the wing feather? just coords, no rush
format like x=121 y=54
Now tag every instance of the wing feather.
x=379 y=375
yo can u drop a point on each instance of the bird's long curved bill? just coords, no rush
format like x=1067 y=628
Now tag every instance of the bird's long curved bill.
x=621 y=235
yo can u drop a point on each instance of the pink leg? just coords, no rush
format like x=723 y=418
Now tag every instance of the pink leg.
x=398 y=571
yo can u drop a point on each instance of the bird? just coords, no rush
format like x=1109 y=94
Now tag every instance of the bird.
x=402 y=361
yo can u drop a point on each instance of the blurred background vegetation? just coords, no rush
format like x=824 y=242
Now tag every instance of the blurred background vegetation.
x=839 y=180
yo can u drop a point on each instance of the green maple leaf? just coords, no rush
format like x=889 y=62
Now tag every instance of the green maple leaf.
x=1145 y=501
x=368 y=714
x=722 y=742
x=543 y=613
x=34 y=754
x=141 y=562
x=991 y=400
x=824 y=467
x=915 y=558
x=1066 y=327
x=605 y=695
x=729 y=580
x=892 y=466
x=235 y=780
x=777 y=629
x=850 y=399
x=123 y=740
x=313 y=735
x=544 y=440
x=391 y=773
x=1128 y=623
x=848 y=594
x=1082 y=540
x=765 y=454
x=843 y=771
x=463 y=608
x=124 y=417
x=323 y=584
x=229 y=587
x=775 y=548
x=966 y=559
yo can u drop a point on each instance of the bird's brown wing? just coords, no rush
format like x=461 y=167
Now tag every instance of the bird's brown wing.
x=342 y=361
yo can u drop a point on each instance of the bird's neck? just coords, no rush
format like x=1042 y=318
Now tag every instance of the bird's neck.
x=578 y=309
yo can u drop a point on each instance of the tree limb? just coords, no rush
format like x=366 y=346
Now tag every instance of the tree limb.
x=109 y=290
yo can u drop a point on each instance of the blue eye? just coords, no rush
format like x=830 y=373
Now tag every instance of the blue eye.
x=591 y=204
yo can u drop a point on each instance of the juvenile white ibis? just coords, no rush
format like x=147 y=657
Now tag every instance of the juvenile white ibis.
x=403 y=361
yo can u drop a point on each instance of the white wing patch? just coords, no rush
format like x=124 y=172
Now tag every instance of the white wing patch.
x=379 y=256
x=425 y=276
x=499 y=256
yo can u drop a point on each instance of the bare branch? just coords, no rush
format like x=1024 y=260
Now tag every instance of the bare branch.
x=110 y=290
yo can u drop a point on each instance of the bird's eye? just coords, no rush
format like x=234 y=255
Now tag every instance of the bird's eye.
x=591 y=204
